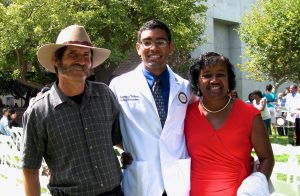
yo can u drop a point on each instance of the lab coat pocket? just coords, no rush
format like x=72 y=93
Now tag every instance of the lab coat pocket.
x=135 y=179
x=180 y=182
x=184 y=170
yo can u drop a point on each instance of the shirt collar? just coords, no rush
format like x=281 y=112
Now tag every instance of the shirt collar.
x=59 y=97
x=164 y=77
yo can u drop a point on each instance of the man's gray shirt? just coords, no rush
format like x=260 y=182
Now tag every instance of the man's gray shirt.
x=76 y=141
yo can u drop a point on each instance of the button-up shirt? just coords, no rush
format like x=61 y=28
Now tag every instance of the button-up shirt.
x=76 y=141
x=164 y=78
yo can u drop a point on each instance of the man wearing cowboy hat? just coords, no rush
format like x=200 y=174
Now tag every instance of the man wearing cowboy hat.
x=74 y=125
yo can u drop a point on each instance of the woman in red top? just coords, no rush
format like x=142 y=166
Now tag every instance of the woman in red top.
x=221 y=132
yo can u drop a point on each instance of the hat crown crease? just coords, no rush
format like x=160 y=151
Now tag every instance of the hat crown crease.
x=73 y=33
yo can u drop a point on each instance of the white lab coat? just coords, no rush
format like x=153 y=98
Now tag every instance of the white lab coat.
x=161 y=161
x=292 y=104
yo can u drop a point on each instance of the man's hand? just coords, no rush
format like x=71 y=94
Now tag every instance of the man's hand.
x=126 y=159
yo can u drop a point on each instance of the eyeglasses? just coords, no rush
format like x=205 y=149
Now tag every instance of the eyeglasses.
x=161 y=43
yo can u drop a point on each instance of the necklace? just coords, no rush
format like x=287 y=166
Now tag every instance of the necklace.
x=215 y=111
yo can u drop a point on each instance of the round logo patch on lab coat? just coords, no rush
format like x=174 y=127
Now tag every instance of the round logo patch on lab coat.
x=182 y=97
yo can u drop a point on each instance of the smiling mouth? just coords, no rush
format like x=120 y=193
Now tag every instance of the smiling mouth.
x=154 y=56
x=215 y=89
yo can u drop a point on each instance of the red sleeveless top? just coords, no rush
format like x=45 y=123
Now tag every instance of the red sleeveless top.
x=220 y=159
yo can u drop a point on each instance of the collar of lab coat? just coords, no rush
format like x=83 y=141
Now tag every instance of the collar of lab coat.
x=175 y=82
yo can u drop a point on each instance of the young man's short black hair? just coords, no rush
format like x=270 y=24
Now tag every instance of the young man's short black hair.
x=155 y=24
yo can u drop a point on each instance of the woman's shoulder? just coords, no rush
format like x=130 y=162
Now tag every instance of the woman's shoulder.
x=263 y=99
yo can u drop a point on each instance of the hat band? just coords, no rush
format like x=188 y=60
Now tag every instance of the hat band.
x=79 y=42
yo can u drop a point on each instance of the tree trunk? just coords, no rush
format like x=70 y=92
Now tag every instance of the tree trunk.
x=22 y=66
x=21 y=63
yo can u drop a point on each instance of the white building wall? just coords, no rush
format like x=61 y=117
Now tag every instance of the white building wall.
x=223 y=18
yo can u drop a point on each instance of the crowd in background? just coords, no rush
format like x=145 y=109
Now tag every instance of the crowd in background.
x=10 y=117
x=8 y=120
x=280 y=112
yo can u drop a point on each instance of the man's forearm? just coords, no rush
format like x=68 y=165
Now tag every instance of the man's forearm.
x=32 y=182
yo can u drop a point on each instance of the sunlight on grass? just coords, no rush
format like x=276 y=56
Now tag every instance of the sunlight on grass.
x=277 y=139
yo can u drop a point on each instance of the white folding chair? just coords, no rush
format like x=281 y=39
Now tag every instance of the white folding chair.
x=10 y=154
x=286 y=175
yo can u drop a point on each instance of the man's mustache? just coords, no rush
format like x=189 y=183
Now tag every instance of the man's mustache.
x=65 y=69
x=74 y=66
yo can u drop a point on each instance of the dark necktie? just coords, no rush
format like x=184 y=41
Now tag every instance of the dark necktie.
x=159 y=101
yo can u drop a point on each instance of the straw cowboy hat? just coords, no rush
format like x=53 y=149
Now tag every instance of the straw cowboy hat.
x=73 y=35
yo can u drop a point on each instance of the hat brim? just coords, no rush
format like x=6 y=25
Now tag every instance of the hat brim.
x=46 y=52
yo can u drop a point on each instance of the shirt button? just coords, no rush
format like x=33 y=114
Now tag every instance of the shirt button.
x=96 y=166
x=91 y=147
x=101 y=184
x=86 y=128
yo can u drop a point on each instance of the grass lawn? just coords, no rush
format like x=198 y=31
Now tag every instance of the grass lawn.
x=277 y=139
x=283 y=140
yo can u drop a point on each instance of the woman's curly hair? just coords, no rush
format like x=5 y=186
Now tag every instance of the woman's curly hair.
x=206 y=59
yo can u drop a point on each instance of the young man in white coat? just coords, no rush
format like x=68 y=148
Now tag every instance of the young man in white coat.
x=153 y=132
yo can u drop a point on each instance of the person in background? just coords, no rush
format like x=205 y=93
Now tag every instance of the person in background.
x=293 y=114
x=154 y=101
x=234 y=94
x=221 y=132
x=250 y=98
x=280 y=113
x=260 y=103
x=4 y=122
x=285 y=92
x=271 y=98
x=74 y=125
x=12 y=117
x=279 y=100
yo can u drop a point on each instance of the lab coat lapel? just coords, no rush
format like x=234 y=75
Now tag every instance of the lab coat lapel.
x=174 y=88
x=142 y=85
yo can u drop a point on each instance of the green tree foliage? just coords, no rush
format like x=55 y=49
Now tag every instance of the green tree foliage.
x=271 y=31
x=25 y=25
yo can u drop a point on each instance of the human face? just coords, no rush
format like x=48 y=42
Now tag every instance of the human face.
x=6 y=113
x=255 y=97
x=280 y=96
x=213 y=81
x=14 y=116
x=233 y=94
x=154 y=58
x=76 y=62
x=293 y=89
